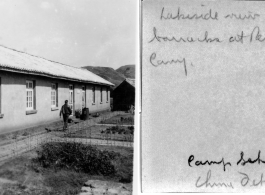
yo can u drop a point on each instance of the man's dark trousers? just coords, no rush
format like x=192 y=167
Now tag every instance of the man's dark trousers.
x=65 y=120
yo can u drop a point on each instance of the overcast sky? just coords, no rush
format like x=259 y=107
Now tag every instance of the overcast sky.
x=74 y=32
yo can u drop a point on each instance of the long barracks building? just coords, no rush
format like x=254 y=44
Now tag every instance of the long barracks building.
x=33 y=89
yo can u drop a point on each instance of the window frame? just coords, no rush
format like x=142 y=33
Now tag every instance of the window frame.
x=54 y=88
x=30 y=89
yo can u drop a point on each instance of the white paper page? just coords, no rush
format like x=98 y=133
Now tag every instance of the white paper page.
x=203 y=96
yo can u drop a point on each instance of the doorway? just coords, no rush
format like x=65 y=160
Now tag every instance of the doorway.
x=71 y=98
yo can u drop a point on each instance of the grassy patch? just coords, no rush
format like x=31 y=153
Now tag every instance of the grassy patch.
x=89 y=159
x=119 y=130
x=77 y=156
x=120 y=133
x=124 y=119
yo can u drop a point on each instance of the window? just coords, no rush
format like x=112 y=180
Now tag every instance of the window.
x=107 y=94
x=94 y=94
x=54 y=96
x=83 y=97
x=71 y=97
x=101 y=95
x=30 y=95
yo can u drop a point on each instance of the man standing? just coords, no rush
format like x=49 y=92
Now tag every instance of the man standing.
x=66 y=111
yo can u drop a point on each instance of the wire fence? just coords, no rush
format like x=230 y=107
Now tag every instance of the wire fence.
x=103 y=132
x=30 y=141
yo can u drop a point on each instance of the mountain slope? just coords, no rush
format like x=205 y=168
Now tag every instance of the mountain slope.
x=107 y=73
x=128 y=71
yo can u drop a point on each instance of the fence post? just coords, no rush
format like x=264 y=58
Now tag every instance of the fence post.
x=29 y=141
x=86 y=136
x=90 y=136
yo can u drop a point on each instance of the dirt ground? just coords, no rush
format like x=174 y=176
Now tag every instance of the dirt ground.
x=21 y=176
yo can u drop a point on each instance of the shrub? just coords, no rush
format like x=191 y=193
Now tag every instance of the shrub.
x=76 y=156
x=131 y=129
x=119 y=130
x=125 y=173
x=25 y=133
x=78 y=113
x=15 y=135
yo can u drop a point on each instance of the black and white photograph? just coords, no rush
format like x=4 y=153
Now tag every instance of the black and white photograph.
x=203 y=96
x=67 y=96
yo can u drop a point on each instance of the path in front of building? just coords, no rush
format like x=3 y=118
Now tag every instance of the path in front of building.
x=17 y=147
